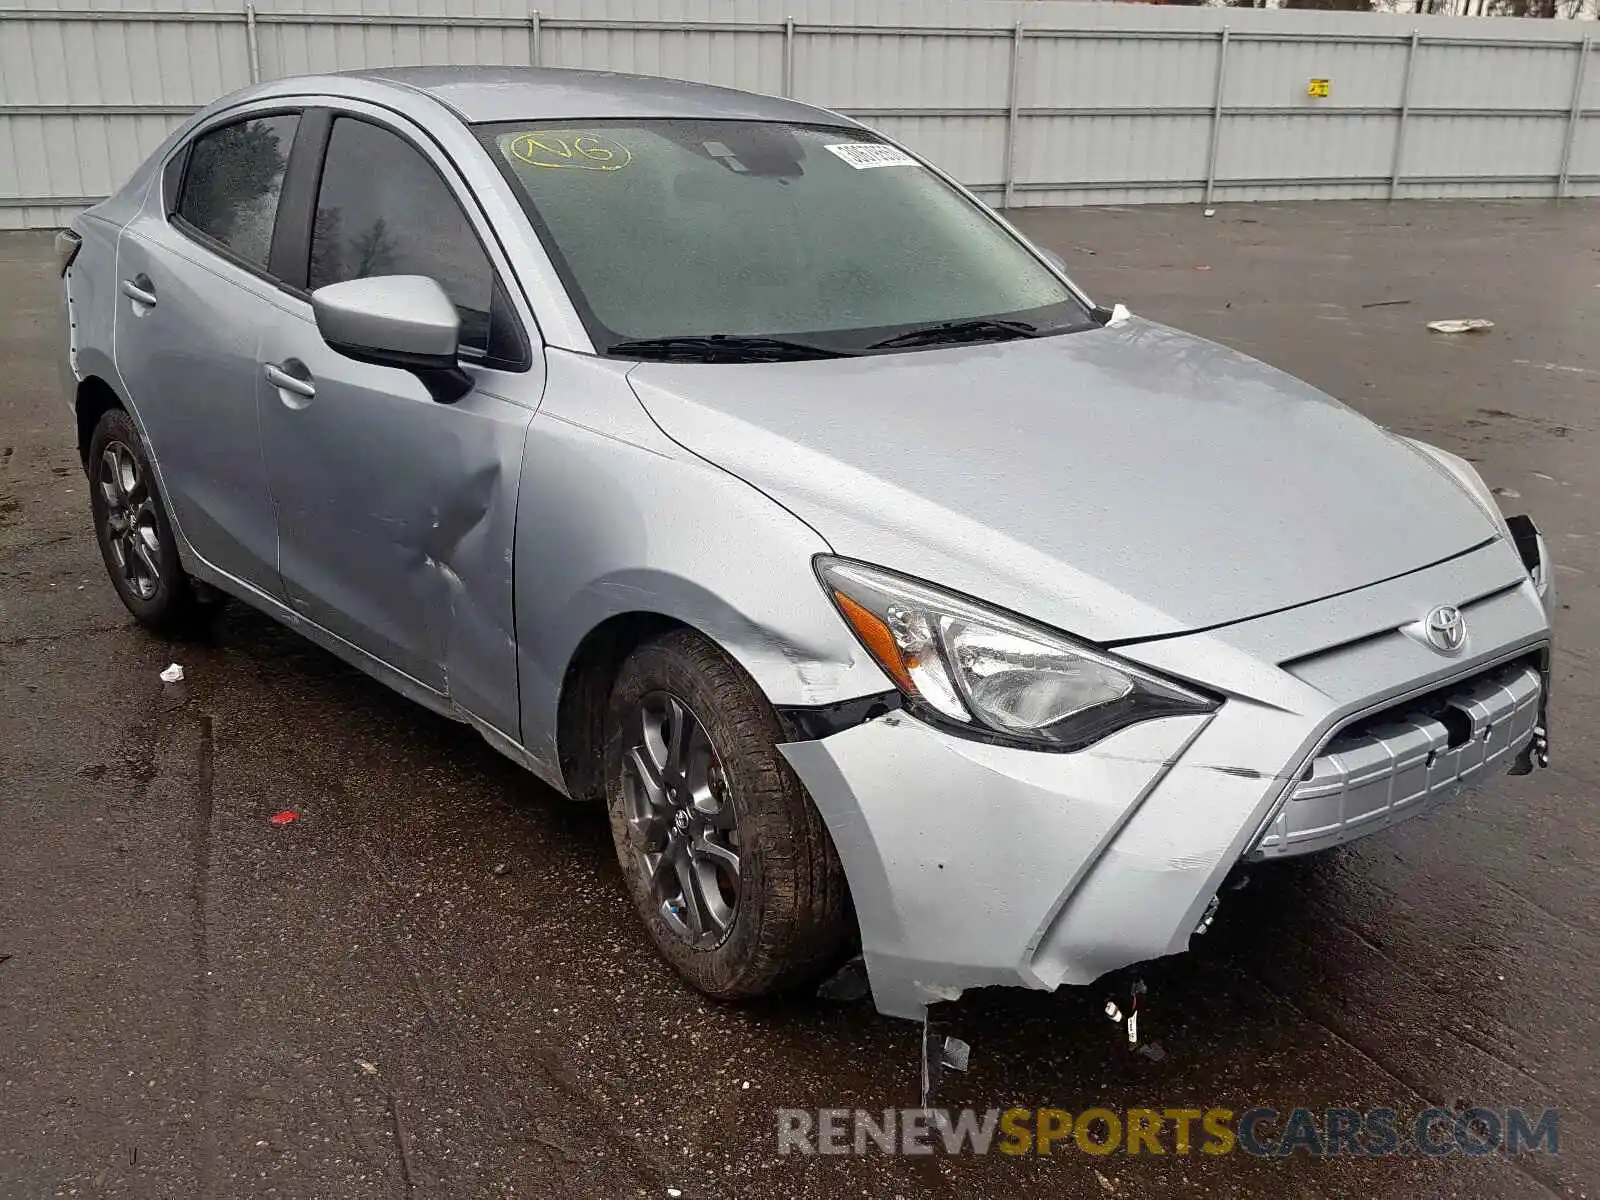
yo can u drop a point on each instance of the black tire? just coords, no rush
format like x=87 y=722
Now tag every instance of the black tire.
x=163 y=600
x=792 y=917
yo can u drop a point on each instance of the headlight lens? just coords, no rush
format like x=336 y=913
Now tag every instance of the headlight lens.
x=1021 y=684
x=991 y=675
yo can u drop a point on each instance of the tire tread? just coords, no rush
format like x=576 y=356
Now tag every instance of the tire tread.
x=805 y=921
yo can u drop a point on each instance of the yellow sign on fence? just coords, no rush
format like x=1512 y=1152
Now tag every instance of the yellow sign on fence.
x=1317 y=87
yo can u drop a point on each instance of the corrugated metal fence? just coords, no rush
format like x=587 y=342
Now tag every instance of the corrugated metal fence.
x=1030 y=103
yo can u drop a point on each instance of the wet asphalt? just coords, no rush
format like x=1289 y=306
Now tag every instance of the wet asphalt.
x=430 y=983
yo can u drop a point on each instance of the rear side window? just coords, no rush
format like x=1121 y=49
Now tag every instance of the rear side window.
x=232 y=183
x=384 y=210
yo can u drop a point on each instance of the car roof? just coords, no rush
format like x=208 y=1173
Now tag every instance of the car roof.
x=555 y=93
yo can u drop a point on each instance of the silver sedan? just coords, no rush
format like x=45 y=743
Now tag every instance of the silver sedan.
x=722 y=461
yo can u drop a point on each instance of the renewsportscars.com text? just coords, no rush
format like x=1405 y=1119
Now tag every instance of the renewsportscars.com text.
x=1263 y=1132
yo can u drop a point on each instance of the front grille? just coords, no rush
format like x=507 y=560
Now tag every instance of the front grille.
x=1400 y=762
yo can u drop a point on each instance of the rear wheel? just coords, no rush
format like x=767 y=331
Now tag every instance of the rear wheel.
x=724 y=855
x=136 y=539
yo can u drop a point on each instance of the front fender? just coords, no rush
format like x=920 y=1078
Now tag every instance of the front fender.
x=616 y=518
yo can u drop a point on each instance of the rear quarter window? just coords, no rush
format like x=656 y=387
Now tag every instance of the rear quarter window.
x=232 y=183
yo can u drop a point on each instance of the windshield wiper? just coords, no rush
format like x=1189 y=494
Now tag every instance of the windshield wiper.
x=721 y=347
x=979 y=329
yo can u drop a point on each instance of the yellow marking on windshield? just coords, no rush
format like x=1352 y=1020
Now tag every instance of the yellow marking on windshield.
x=575 y=151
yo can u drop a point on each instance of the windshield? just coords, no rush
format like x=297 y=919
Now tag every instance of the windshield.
x=805 y=237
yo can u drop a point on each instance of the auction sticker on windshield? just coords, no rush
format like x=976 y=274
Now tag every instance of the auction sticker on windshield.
x=862 y=155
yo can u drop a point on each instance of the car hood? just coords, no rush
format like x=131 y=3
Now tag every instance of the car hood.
x=1121 y=483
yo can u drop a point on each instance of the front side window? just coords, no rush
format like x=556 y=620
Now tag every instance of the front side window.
x=232 y=183
x=384 y=210
x=737 y=229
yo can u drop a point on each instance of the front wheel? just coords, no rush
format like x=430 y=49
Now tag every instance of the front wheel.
x=723 y=853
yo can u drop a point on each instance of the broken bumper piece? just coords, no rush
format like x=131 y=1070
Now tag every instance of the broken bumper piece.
x=977 y=865
x=962 y=856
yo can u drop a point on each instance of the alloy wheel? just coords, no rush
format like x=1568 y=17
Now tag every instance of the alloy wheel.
x=130 y=522
x=682 y=820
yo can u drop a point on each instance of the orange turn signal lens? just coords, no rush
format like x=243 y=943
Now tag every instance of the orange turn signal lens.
x=875 y=636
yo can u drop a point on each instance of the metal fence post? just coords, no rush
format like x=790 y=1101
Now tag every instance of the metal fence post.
x=252 y=46
x=1216 y=115
x=1405 y=110
x=1014 y=88
x=788 y=56
x=1574 y=117
x=535 y=40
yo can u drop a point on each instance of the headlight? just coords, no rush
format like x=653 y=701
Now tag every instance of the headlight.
x=989 y=675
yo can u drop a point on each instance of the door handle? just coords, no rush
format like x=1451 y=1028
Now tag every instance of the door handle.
x=279 y=378
x=140 y=290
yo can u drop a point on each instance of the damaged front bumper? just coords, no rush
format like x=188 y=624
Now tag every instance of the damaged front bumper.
x=1411 y=758
x=976 y=865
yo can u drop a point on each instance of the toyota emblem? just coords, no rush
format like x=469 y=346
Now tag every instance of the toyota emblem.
x=1445 y=628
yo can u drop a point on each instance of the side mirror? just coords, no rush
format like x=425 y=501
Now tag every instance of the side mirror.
x=403 y=321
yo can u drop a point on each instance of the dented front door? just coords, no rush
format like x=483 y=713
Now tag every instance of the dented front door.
x=395 y=514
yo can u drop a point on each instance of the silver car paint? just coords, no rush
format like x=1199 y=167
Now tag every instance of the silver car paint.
x=410 y=314
x=660 y=530
x=1120 y=847
x=91 y=310
x=396 y=514
x=1114 y=483
x=1158 y=469
x=202 y=365
x=491 y=94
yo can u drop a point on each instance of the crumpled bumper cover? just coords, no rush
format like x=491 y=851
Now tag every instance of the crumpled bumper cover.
x=962 y=856
x=975 y=865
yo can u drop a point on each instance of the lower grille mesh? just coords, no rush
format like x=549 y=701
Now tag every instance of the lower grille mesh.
x=1401 y=762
